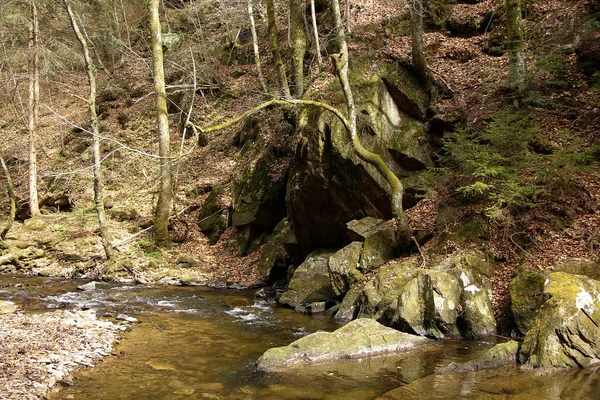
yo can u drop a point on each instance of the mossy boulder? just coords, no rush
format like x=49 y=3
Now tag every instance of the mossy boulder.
x=259 y=195
x=566 y=331
x=357 y=339
x=526 y=297
x=379 y=241
x=274 y=258
x=499 y=355
x=587 y=268
x=212 y=216
x=310 y=282
x=343 y=268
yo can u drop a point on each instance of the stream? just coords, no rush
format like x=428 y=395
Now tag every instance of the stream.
x=201 y=343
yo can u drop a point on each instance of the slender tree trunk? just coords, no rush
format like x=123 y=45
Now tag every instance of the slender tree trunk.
x=97 y=168
x=397 y=190
x=275 y=49
x=298 y=44
x=165 y=191
x=418 y=50
x=316 y=32
x=34 y=99
x=348 y=16
x=256 y=50
x=12 y=197
x=516 y=53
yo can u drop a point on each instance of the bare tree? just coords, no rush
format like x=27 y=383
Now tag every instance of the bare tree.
x=97 y=168
x=298 y=44
x=256 y=50
x=34 y=100
x=12 y=198
x=516 y=53
x=275 y=49
x=165 y=191
x=348 y=16
x=313 y=14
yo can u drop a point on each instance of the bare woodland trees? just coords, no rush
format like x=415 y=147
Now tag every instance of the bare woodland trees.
x=275 y=49
x=165 y=190
x=33 y=107
x=516 y=53
x=97 y=167
x=263 y=83
x=298 y=45
x=418 y=50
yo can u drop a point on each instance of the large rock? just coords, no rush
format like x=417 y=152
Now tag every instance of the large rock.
x=274 y=259
x=453 y=299
x=499 y=355
x=259 y=194
x=526 y=297
x=212 y=216
x=357 y=339
x=329 y=185
x=310 y=282
x=7 y=307
x=566 y=331
x=343 y=268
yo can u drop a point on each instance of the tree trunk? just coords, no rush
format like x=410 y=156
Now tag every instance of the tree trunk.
x=348 y=15
x=397 y=190
x=516 y=54
x=298 y=44
x=12 y=197
x=316 y=32
x=272 y=26
x=97 y=168
x=256 y=50
x=165 y=191
x=418 y=50
x=34 y=99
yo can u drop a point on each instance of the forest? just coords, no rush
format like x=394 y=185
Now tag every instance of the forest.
x=250 y=198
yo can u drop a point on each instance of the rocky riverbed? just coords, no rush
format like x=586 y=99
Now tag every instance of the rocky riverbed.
x=39 y=350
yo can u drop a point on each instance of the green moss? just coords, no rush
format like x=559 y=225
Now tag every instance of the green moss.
x=526 y=297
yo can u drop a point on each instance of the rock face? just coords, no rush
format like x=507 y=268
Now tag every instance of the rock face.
x=566 y=331
x=212 y=219
x=453 y=299
x=329 y=185
x=359 y=338
x=310 y=282
x=526 y=297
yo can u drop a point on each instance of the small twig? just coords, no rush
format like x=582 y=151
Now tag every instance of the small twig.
x=420 y=253
x=515 y=243
x=157 y=327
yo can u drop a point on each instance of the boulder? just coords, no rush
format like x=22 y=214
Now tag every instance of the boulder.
x=498 y=356
x=566 y=330
x=87 y=287
x=526 y=297
x=453 y=299
x=379 y=240
x=274 y=259
x=7 y=307
x=310 y=282
x=357 y=339
x=212 y=217
x=343 y=268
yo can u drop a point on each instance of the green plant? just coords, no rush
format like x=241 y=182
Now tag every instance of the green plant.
x=500 y=168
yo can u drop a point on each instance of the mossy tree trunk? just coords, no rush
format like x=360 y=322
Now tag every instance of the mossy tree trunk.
x=97 y=168
x=263 y=83
x=419 y=59
x=34 y=100
x=165 y=190
x=12 y=198
x=275 y=49
x=397 y=190
x=298 y=44
x=516 y=52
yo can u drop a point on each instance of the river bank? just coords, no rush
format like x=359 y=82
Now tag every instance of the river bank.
x=38 y=351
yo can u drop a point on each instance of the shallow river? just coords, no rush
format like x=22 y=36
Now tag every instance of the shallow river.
x=199 y=343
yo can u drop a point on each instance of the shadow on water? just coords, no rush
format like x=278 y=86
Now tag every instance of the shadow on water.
x=198 y=343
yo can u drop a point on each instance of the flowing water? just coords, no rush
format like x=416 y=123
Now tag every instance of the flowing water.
x=199 y=343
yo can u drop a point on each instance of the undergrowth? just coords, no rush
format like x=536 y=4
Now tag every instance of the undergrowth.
x=507 y=169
